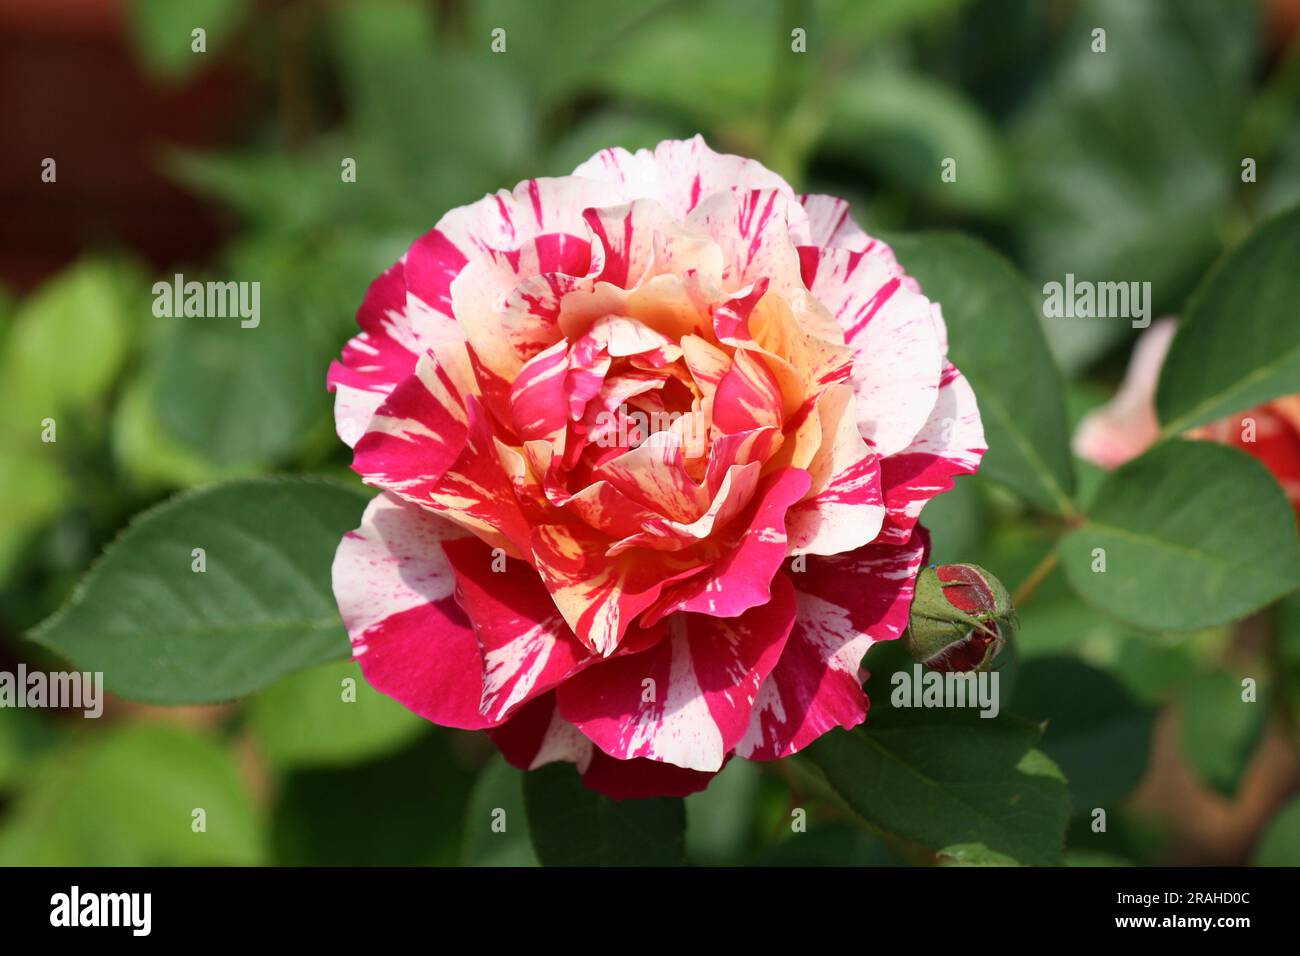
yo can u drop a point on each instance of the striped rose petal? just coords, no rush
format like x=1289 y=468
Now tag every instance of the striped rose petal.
x=745 y=556
x=607 y=409
x=394 y=587
x=600 y=595
x=897 y=352
x=678 y=174
x=527 y=648
x=845 y=505
x=845 y=603
x=537 y=735
x=687 y=700
x=951 y=443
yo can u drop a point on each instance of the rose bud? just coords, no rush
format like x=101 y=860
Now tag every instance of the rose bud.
x=961 y=618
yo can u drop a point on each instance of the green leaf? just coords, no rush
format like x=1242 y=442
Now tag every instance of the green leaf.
x=1280 y=845
x=1127 y=158
x=33 y=490
x=1219 y=731
x=906 y=126
x=871 y=22
x=67 y=346
x=826 y=844
x=161 y=31
x=573 y=826
x=1239 y=344
x=480 y=132
x=1193 y=534
x=24 y=734
x=164 y=633
x=996 y=341
x=588 y=31
x=1148 y=666
x=496 y=824
x=129 y=800
x=145 y=453
x=671 y=61
x=1095 y=732
x=1286 y=625
x=280 y=191
x=941 y=784
x=328 y=716
x=972 y=854
x=59 y=361
x=942 y=777
x=402 y=810
x=243 y=396
x=719 y=818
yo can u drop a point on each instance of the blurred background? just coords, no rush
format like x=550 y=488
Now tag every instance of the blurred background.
x=226 y=164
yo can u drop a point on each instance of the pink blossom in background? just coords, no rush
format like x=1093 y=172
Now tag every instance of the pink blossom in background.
x=645 y=603
x=1127 y=426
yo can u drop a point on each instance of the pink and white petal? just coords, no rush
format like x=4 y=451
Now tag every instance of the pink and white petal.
x=739 y=448
x=746 y=556
x=846 y=514
x=1126 y=426
x=508 y=300
x=608 y=510
x=478 y=490
x=845 y=603
x=538 y=397
x=536 y=735
x=618 y=388
x=353 y=407
x=686 y=701
x=504 y=341
x=600 y=596
x=494 y=391
x=730 y=315
x=951 y=443
x=654 y=475
x=534 y=282
x=678 y=173
x=507 y=219
x=432 y=263
x=417 y=433
x=897 y=358
x=748 y=396
x=395 y=591
x=707 y=363
x=527 y=648
x=845 y=506
x=659 y=534
x=384 y=353
x=639 y=779
x=754 y=229
x=830 y=223
x=627 y=233
x=621 y=336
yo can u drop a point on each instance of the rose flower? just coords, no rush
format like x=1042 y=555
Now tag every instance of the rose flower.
x=652 y=441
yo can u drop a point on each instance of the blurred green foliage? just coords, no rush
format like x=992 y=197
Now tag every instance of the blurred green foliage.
x=1122 y=165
